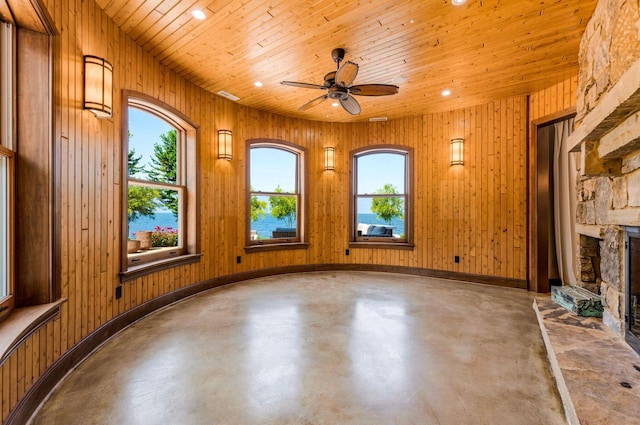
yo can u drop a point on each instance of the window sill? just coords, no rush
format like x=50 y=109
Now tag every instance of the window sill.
x=134 y=272
x=23 y=322
x=383 y=245
x=154 y=254
x=275 y=247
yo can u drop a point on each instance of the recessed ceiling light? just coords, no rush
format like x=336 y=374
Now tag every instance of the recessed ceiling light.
x=198 y=14
x=399 y=79
x=445 y=92
x=412 y=21
x=258 y=84
x=458 y=2
x=335 y=104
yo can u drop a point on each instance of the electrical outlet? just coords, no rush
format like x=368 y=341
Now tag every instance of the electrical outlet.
x=346 y=252
x=456 y=259
x=118 y=292
x=238 y=259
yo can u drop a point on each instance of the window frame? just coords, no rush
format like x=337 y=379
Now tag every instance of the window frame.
x=356 y=241
x=7 y=136
x=187 y=185
x=301 y=190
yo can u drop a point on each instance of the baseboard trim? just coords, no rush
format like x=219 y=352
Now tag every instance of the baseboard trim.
x=74 y=356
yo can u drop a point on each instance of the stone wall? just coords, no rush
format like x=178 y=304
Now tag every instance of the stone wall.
x=610 y=45
x=608 y=189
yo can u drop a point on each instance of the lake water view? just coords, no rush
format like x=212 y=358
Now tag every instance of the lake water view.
x=264 y=225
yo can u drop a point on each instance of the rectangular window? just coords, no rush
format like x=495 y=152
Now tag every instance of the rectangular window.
x=7 y=66
x=380 y=202
x=275 y=193
x=5 y=213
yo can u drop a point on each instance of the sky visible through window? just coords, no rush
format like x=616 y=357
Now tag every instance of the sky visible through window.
x=145 y=129
x=376 y=170
x=272 y=167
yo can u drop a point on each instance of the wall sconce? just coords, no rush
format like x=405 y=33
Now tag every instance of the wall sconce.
x=329 y=159
x=98 y=86
x=225 y=144
x=457 y=151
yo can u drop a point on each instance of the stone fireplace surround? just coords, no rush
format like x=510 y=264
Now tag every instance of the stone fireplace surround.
x=607 y=135
x=608 y=191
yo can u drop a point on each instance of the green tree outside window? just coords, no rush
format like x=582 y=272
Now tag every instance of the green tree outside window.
x=388 y=208
x=283 y=207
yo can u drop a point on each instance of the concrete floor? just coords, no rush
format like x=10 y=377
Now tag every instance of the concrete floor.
x=322 y=348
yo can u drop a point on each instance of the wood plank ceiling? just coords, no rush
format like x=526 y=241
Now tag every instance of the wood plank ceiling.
x=482 y=50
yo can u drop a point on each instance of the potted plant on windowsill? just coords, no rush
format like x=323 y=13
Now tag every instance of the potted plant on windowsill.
x=144 y=236
x=132 y=246
x=164 y=237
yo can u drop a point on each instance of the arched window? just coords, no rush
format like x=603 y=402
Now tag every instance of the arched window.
x=381 y=201
x=161 y=196
x=276 y=193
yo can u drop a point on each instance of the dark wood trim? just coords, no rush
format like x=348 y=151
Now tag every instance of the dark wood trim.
x=275 y=247
x=36 y=282
x=529 y=221
x=72 y=358
x=301 y=241
x=408 y=190
x=156 y=266
x=382 y=245
x=31 y=15
x=544 y=134
x=532 y=235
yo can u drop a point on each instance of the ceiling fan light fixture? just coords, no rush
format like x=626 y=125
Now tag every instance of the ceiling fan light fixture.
x=339 y=86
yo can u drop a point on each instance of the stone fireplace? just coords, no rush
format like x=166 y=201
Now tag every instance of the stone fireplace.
x=607 y=135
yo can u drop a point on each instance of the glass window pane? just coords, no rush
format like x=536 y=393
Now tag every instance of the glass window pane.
x=381 y=217
x=4 y=226
x=156 y=211
x=152 y=147
x=273 y=217
x=273 y=168
x=381 y=172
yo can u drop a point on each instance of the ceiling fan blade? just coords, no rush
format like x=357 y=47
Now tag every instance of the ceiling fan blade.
x=302 y=85
x=350 y=105
x=373 y=89
x=346 y=74
x=312 y=103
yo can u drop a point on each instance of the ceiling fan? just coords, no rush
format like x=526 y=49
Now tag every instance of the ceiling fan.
x=338 y=85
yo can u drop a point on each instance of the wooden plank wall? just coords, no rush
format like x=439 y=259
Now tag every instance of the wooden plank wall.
x=476 y=211
x=553 y=100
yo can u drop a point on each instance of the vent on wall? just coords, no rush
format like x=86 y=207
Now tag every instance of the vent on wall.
x=378 y=119
x=228 y=95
